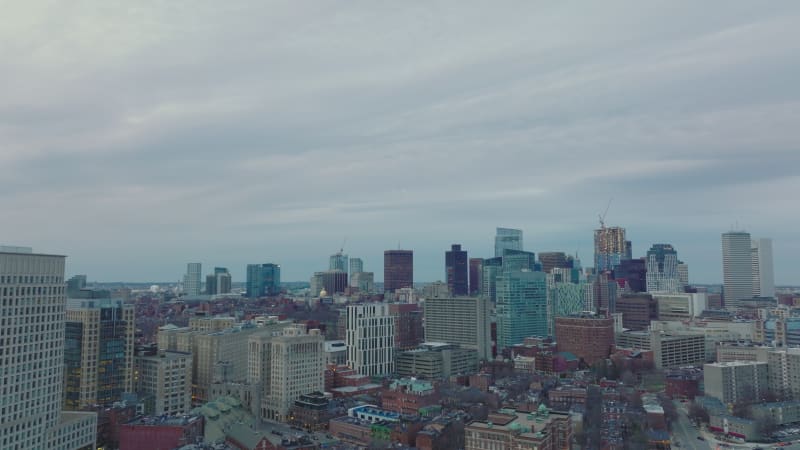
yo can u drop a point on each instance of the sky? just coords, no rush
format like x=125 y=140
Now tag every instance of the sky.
x=138 y=136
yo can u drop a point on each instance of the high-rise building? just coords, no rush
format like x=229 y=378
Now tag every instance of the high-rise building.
x=287 y=365
x=521 y=306
x=763 y=274
x=456 y=271
x=551 y=260
x=784 y=365
x=219 y=282
x=610 y=248
x=408 y=332
x=491 y=268
x=604 y=294
x=662 y=269
x=737 y=268
x=587 y=336
x=465 y=321
x=192 y=279
x=632 y=274
x=475 y=272
x=683 y=275
x=519 y=260
x=735 y=382
x=334 y=281
x=370 y=338
x=338 y=261
x=32 y=347
x=263 y=280
x=398 y=269
x=356 y=266
x=363 y=281
x=565 y=299
x=75 y=284
x=637 y=310
x=165 y=378
x=507 y=238
x=98 y=352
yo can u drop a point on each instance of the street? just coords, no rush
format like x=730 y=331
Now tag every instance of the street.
x=684 y=435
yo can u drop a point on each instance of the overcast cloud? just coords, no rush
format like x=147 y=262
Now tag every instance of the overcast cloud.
x=138 y=136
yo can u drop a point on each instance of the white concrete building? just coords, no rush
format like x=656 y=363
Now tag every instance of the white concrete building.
x=737 y=270
x=762 y=264
x=32 y=307
x=465 y=321
x=192 y=280
x=167 y=378
x=370 y=338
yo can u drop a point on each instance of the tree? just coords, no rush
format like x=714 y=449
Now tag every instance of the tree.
x=766 y=424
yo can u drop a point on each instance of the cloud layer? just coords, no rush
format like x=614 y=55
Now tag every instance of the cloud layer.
x=136 y=138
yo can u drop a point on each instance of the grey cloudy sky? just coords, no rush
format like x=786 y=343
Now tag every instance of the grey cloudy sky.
x=138 y=136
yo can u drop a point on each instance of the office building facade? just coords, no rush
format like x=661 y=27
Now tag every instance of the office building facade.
x=662 y=269
x=610 y=248
x=263 y=280
x=456 y=271
x=165 y=379
x=507 y=239
x=475 y=272
x=762 y=268
x=737 y=270
x=33 y=305
x=192 y=280
x=398 y=269
x=370 y=338
x=521 y=307
x=587 y=336
x=219 y=282
x=464 y=321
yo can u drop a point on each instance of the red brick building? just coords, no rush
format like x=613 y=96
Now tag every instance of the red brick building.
x=408 y=396
x=155 y=433
x=587 y=336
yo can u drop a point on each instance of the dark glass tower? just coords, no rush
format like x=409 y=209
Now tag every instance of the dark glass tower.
x=398 y=269
x=456 y=270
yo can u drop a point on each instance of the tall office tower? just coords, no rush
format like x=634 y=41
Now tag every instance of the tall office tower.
x=338 y=261
x=408 y=333
x=192 y=279
x=604 y=294
x=683 y=275
x=363 y=281
x=334 y=281
x=551 y=260
x=263 y=279
x=632 y=274
x=398 y=269
x=32 y=348
x=456 y=271
x=491 y=268
x=609 y=248
x=738 y=381
x=356 y=266
x=165 y=378
x=292 y=363
x=98 y=352
x=763 y=274
x=518 y=260
x=662 y=269
x=475 y=272
x=465 y=321
x=521 y=306
x=628 y=251
x=737 y=268
x=370 y=339
x=585 y=335
x=507 y=238
x=219 y=282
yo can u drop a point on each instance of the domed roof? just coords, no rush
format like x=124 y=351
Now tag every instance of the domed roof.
x=323 y=293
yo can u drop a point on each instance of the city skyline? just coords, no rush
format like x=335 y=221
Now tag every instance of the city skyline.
x=136 y=141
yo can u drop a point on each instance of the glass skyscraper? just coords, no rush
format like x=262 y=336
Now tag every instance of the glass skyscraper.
x=521 y=306
x=263 y=279
x=507 y=238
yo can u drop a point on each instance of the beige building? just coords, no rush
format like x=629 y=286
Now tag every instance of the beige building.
x=98 y=359
x=742 y=351
x=370 y=338
x=286 y=364
x=434 y=360
x=784 y=372
x=669 y=350
x=216 y=323
x=508 y=429
x=167 y=379
x=713 y=331
x=32 y=340
x=735 y=382
x=465 y=321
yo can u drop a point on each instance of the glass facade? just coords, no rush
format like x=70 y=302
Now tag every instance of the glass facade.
x=521 y=306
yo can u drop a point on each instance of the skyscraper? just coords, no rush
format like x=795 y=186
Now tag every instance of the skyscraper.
x=551 y=260
x=263 y=279
x=98 y=356
x=662 y=269
x=32 y=348
x=465 y=321
x=398 y=269
x=507 y=238
x=521 y=306
x=338 y=261
x=370 y=338
x=456 y=271
x=737 y=270
x=610 y=248
x=219 y=282
x=192 y=279
x=356 y=266
x=475 y=272
x=763 y=275
x=518 y=260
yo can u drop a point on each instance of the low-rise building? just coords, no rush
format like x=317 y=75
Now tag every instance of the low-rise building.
x=408 y=396
x=163 y=432
x=728 y=351
x=167 y=379
x=542 y=430
x=434 y=360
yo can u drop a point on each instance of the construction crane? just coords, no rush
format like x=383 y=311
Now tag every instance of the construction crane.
x=602 y=217
x=341 y=249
